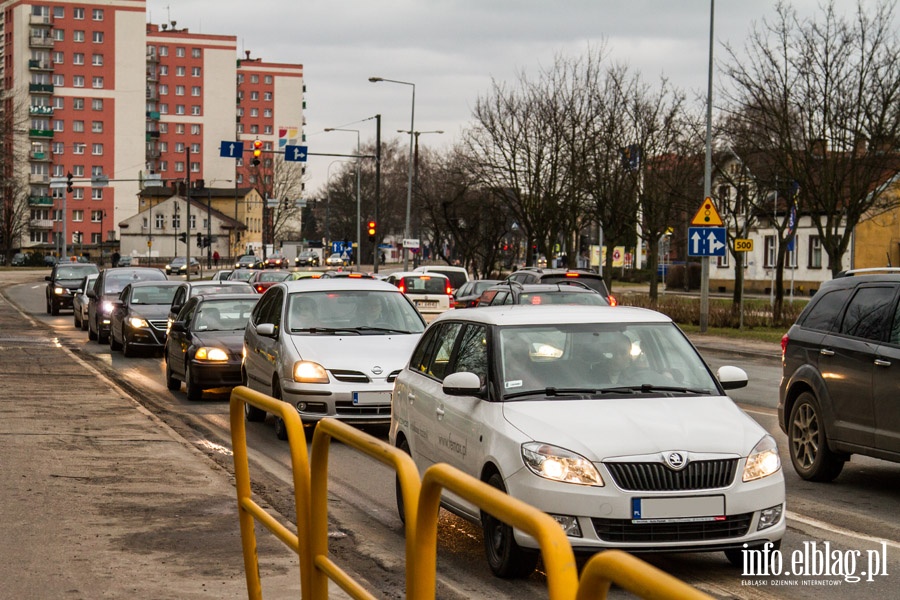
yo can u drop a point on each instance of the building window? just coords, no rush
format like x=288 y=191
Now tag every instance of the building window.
x=267 y=130
x=59 y=12
x=195 y=110
x=78 y=194
x=78 y=216
x=267 y=113
x=78 y=148
x=58 y=125
x=97 y=104
x=179 y=109
x=254 y=79
x=164 y=146
x=179 y=71
x=78 y=171
x=163 y=50
x=254 y=112
x=78 y=81
x=267 y=96
x=164 y=128
x=97 y=149
x=97 y=126
x=59 y=35
x=78 y=13
x=78 y=126
x=179 y=167
x=97 y=14
x=268 y=80
x=163 y=70
x=78 y=58
x=160 y=220
x=770 y=252
x=195 y=148
x=195 y=129
x=254 y=129
x=96 y=216
x=163 y=109
x=195 y=168
x=163 y=89
x=97 y=83
x=59 y=80
x=815 y=252
x=179 y=90
x=59 y=103
x=59 y=171
x=179 y=52
x=78 y=36
x=96 y=193
x=195 y=90
x=195 y=52
x=179 y=128
x=179 y=147
x=176 y=220
x=163 y=166
x=78 y=103
x=59 y=148
x=97 y=60
x=59 y=58
x=254 y=95
x=97 y=37
x=195 y=71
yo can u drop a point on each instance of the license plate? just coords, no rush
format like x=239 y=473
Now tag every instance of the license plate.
x=366 y=398
x=427 y=303
x=690 y=508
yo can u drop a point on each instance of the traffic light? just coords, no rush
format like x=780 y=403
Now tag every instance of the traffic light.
x=199 y=240
x=183 y=237
x=257 y=152
x=371 y=230
x=69 y=182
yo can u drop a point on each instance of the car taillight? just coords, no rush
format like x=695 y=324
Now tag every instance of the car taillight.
x=260 y=289
x=612 y=300
x=448 y=290
x=784 y=343
x=452 y=302
x=402 y=288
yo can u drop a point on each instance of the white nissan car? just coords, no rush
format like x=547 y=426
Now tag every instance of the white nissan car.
x=606 y=418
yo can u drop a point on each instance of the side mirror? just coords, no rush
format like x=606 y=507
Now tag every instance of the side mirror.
x=267 y=330
x=731 y=378
x=90 y=293
x=47 y=278
x=178 y=326
x=463 y=383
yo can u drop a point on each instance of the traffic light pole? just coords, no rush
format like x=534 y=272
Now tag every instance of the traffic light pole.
x=377 y=187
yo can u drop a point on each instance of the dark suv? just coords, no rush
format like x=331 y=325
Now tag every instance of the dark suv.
x=841 y=370
x=106 y=290
x=565 y=292
x=63 y=281
x=541 y=275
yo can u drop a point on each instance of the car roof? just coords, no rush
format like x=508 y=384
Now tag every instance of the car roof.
x=216 y=297
x=157 y=283
x=337 y=284
x=562 y=286
x=424 y=268
x=527 y=314
x=134 y=270
x=417 y=274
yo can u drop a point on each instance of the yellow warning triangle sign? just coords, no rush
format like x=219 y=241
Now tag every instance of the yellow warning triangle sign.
x=707 y=216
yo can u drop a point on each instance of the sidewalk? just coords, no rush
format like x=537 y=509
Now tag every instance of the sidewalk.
x=100 y=498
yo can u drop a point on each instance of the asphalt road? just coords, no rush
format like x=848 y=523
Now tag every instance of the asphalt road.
x=855 y=513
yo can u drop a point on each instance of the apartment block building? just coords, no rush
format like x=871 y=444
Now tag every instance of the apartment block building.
x=92 y=89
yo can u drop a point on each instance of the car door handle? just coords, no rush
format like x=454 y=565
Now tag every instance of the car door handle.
x=826 y=352
x=440 y=412
x=410 y=397
x=882 y=363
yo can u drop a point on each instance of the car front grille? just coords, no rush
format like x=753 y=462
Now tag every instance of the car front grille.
x=350 y=376
x=348 y=409
x=657 y=477
x=159 y=324
x=393 y=376
x=635 y=532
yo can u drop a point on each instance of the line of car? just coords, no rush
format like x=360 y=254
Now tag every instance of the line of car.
x=606 y=418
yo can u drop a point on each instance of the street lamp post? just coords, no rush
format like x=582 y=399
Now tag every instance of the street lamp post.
x=409 y=182
x=416 y=178
x=358 y=205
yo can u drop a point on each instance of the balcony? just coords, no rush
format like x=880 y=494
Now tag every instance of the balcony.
x=39 y=65
x=153 y=153
x=152 y=94
x=38 y=178
x=40 y=41
x=40 y=88
x=40 y=155
x=151 y=55
x=40 y=201
x=40 y=133
x=41 y=110
x=41 y=223
x=153 y=115
x=152 y=135
x=41 y=20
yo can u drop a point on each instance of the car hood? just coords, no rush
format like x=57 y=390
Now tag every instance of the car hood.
x=150 y=311
x=374 y=355
x=70 y=284
x=606 y=428
x=233 y=341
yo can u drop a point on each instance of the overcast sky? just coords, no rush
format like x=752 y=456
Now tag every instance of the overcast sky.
x=452 y=49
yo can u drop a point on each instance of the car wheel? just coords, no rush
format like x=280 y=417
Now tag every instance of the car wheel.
x=812 y=458
x=76 y=319
x=505 y=557
x=194 y=391
x=91 y=334
x=128 y=348
x=401 y=507
x=54 y=308
x=84 y=324
x=281 y=431
x=48 y=305
x=736 y=555
x=251 y=413
x=172 y=384
x=113 y=344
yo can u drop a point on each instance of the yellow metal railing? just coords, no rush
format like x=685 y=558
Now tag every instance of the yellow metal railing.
x=421 y=506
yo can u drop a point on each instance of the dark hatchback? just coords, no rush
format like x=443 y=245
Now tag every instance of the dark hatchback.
x=841 y=373
x=107 y=287
x=467 y=294
x=63 y=281
x=205 y=344
x=566 y=292
x=138 y=319
x=540 y=275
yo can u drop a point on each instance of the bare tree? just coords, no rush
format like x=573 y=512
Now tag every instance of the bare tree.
x=14 y=186
x=820 y=97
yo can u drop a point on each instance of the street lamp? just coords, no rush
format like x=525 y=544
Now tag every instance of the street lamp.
x=409 y=183
x=416 y=134
x=358 y=208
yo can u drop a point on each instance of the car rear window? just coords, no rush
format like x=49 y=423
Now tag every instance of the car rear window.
x=582 y=298
x=593 y=282
x=424 y=285
x=457 y=279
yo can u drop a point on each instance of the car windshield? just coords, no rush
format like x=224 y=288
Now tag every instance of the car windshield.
x=584 y=298
x=115 y=283
x=270 y=276
x=241 y=275
x=153 y=294
x=424 y=284
x=600 y=358
x=218 y=288
x=363 y=312
x=223 y=314
x=74 y=271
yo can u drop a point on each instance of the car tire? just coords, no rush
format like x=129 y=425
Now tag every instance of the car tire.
x=808 y=442
x=54 y=308
x=505 y=557
x=84 y=324
x=76 y=319
x=48 y=305
x=193 y=391
x=91 y=334
x=113 y=344
x=403 y=446
x=736 y=555
x=281 y=431
x=172 y=384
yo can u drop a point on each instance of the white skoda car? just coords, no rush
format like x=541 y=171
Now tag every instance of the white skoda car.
x=606 y=418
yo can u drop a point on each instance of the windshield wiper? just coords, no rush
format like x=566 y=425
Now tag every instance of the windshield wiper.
x=381 y=329
x=649 y=387
x=553 y=391
x=328 y=330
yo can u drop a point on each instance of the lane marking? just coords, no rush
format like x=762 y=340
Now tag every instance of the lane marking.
x=839 y=530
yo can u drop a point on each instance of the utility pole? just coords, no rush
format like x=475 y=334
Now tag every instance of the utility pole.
x=187 y=224
x=377 y=188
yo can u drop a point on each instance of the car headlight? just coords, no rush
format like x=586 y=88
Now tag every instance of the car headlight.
x=59 y=291
x=168 y=267
x=559 y=464
x=137 y=323
x=211 y=354
x=106 y=307
x=763 y=460
x=309 y=372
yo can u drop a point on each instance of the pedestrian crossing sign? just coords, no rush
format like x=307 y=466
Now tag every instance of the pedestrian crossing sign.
x=707 y=216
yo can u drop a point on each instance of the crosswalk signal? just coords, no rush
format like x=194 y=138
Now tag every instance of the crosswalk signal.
x=371 y=230
x=257 y=152
x=69 y=182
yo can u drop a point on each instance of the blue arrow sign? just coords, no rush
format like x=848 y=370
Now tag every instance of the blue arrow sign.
x=231 y=149
x=295 y=153
x=706 y=241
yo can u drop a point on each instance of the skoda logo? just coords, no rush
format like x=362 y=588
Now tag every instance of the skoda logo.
x=676 y=460
x=376 y=370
